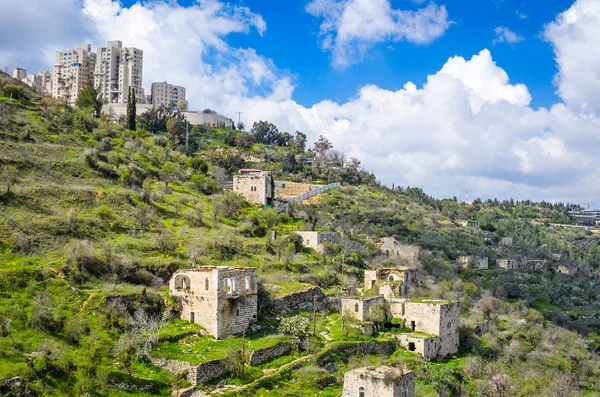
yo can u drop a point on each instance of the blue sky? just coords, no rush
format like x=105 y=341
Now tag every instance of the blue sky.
x=290 y=41
x=504 y=99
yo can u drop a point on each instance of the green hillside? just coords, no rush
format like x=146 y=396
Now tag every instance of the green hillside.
x=94 y=220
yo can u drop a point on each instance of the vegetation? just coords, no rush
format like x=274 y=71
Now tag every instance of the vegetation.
x=95 y=217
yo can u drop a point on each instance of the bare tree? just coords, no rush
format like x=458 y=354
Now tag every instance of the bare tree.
x=9 y=177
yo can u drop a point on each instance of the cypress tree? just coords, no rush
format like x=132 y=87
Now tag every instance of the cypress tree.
x=131 y=109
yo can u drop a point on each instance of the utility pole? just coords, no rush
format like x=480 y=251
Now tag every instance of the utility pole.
x=187 y=146
x=243 y=358
x=239 y=116
x=314 y=315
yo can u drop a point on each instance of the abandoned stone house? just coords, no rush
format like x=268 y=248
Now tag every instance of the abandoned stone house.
x=521 y=264
x=507 y=241
x=392 y=282
x=382 y=381
x=392 y=249
x=255 y=186
x=473 y=262
x=471 y=224
x=317 y=240
x=221 y=299
x=565 y=269
x=433 y=323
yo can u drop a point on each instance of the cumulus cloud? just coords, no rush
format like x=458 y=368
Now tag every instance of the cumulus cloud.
x=574 y=37
x=467 y=127
x=350 y=28
x=505 y=35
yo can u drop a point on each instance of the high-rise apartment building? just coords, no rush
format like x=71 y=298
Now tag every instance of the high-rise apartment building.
x=72 y=70
x=118 y=68
x=168 y=95
x=40 y=82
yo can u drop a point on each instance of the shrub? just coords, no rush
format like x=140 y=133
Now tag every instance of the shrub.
x=164 y=242
x=296 y=328
x=82 y=259
x=13 y=90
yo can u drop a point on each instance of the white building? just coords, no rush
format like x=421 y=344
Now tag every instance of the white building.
x=40 y=82
x=116 y=69
x=165 y=94
x=73 y=69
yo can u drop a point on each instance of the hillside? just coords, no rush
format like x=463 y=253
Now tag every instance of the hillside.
x=95 y=219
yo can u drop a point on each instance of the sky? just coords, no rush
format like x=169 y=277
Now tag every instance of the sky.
x=495 y=97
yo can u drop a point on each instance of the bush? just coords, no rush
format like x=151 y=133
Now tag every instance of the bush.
x=83 y=260
x=296 y=328
x=13 y=90
x=164 y=242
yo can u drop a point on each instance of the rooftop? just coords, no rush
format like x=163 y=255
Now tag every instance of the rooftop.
x=210 y=268
x=383 y=372
x=429 y=301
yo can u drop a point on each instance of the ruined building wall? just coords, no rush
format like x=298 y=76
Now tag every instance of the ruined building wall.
x=436 y=319
x=317 y=239
x=475 y=262
x=254 y=188
x=369 y=309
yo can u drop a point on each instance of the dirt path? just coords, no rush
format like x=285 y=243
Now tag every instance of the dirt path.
x=251 y=384
x=86 y=302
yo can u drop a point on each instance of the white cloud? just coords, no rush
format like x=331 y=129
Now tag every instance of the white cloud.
x=505 y=35
x=468 y=127
x=351 y=27
x=574 y=36
x=521 y=15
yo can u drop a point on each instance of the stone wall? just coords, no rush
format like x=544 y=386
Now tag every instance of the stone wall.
x=301 y=300
x=176 y=367
x=521 y=264
x=391 y=248
x=210 y=370
x=474 y=262
x=267 y=354
x=364 y=309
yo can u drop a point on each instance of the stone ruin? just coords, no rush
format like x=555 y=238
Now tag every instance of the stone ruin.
x=433 y=324
x=255 y=186
x=473 y=262
x=317 y=240
x=392 y=249
x=391 y=281
x=382 y=381
x=221 y=299
x=521 y=264
x=507 y=241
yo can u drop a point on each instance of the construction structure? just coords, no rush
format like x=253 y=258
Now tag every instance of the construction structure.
x=317 y=240
x=221 y=299
x=72 y=71
x=379 y=382
x=255 y=186
x=391 y=281
x=116 y=69
x=473 y=262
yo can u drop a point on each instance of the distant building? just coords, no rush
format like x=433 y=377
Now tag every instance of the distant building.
x=586 y=217
x=40 y=82
x=394 y=282
x=221 y=299
x=379 y=382
x=254 y=186
x=521 y=264
x=317 y=240
x=116 y=69
x=507 y=241
x=73 y=69
x=473 y=262
x=169 y=95
x=566 y=270
x=392 y=248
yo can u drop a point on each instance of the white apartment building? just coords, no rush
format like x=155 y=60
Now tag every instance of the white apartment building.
x=167 y=94
x=118 y=68
x=72 y=70
x=40 y=82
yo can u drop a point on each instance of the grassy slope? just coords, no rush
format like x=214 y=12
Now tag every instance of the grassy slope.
x=59 y=201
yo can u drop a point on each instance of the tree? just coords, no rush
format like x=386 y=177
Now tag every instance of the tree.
x=198 y=165
x=240 y=126
x=296 y=328
x=226 y=204
x=9 y=177
x=299 y=143
x=131 y=111
x=264 y=132
x=13 y=90
x=182 y=105
x=168 y=173
x=89 y=98
x=322 y=145
x=176 y=130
